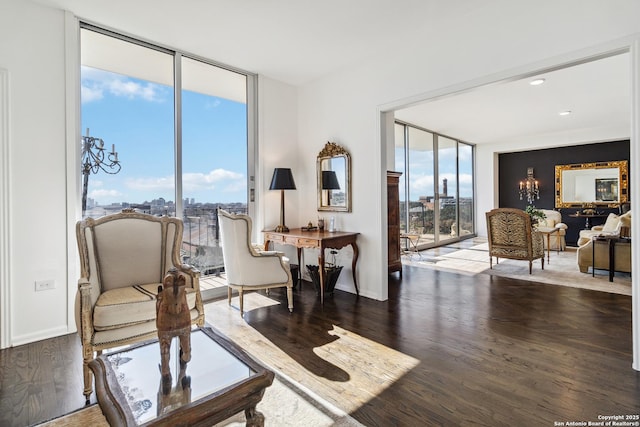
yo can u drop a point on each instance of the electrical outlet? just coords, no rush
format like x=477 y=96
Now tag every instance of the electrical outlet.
x=43 y=285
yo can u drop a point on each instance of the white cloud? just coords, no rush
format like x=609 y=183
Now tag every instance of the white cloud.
x=239 y=185
x=90 y=94
x=131 y=90
x=155 y=184
x=466 y=178
x=199 y=181
x=95 y=83
x=213 y=104
x=422 y=185
x=191 y=182
x=96 y=194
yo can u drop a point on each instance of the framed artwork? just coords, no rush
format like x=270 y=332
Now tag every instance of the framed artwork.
x=606 y=189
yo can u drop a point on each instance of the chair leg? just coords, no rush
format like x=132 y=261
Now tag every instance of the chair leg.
x=87 y=356
x=290 y=298
x=240 y=296
x=229 y=294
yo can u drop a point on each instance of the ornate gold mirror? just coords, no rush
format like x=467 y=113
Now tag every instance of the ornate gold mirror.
x=592 y=184
x=334 y=178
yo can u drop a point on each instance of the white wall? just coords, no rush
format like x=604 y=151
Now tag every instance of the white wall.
x=32 y=50
x=278 y=148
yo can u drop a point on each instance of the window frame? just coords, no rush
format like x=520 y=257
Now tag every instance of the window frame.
x=251 y=106
x=407 y=182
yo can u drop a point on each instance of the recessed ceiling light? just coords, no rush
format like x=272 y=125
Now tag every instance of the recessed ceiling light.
x=565 y=113
x=537 y=82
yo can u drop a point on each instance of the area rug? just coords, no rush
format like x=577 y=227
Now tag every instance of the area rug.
x=284 y=404
x=562 y=269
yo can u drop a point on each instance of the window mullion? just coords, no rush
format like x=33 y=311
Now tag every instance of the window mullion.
x=177 y=87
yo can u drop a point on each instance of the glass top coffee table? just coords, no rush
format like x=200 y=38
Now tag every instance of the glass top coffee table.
x=219 y=381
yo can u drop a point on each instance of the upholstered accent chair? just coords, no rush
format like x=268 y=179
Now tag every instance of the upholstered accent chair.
x=614 y=226
x=246 y=267
x=511 y=235
x=553 y=221
x=123 y=259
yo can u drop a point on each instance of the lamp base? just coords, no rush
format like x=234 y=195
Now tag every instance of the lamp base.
x=282 y=229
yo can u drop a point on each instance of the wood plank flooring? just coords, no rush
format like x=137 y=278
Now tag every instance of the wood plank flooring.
x=486 y=351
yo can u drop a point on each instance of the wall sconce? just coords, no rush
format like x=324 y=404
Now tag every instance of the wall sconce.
x=282 y=180
x=529 y=187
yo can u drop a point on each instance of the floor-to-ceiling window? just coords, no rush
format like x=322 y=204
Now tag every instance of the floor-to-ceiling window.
x=127 y=107
x=164 y=133
x=436 y=189
x=214 y=155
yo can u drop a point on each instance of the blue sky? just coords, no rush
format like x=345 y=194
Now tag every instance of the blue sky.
x=137 y=116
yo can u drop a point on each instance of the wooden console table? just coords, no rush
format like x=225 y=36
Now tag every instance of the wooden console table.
x=317 y=239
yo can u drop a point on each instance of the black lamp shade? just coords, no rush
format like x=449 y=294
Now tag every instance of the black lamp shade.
x=330 y=181
x=282 y=180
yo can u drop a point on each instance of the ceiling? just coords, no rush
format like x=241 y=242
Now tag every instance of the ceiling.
x=597 y=94
x=299 y=41
x=294 y=41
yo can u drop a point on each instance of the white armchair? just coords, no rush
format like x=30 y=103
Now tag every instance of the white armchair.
x=615 y=226
x=123 y=259
x=612 y=227
x=553 y=221
x=247 y=268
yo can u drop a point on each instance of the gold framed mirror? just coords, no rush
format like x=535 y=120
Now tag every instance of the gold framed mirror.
x=603 y=184
x=334 y=178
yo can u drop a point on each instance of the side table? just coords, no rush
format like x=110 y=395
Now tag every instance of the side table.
x=410 y=244
x=548 y=233
x=611 y=241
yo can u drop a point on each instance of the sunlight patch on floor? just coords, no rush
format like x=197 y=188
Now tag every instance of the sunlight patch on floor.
x=372 y=367
x=348 y=370
x=560 y=268
x=465 y=261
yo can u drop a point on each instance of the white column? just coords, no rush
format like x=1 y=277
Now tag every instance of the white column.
x=5 y=219
x=635 y=197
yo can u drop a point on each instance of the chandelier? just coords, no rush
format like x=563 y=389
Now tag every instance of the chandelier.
x=94 y=159
x=529 y=187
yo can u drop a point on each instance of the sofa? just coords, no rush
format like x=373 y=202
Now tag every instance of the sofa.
x=614 y=226
x=553 y=221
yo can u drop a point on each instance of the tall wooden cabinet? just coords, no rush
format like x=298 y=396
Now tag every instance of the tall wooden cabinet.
x=393 y=215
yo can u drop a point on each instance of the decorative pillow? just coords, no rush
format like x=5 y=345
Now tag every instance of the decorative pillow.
x=625 y=219
x=548 y=222
x=612 y=223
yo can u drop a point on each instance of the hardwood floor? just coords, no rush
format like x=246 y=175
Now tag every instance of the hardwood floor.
x=489 y=351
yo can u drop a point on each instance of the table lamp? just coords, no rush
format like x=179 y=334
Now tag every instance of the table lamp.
x=329 y=182
x=282 y=180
